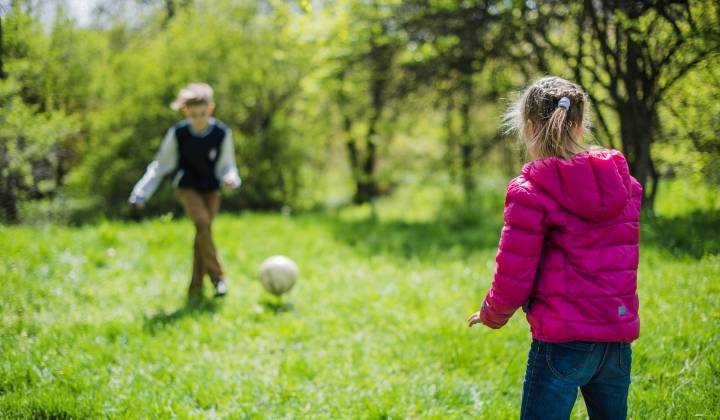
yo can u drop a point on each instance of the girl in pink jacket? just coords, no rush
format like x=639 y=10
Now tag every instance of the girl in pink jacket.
x=568 y=255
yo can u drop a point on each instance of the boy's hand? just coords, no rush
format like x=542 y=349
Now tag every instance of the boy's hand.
x=475 y=318
x=229 y=183
x=137 y=202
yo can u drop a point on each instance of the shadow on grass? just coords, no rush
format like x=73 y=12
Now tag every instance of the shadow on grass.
x=192 y=308
x=693 y=234
x=416 y=239
x=458 y=232
x=276 y=305
x=461 y=232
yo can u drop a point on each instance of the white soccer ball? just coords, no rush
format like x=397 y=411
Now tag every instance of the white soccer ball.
x=278 y=274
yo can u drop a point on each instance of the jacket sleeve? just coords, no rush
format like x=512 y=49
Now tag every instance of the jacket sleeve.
x=521 y=245
x=226 y=169
x=165 y=161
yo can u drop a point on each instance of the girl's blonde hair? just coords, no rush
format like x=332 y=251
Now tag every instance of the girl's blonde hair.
x=550 y=116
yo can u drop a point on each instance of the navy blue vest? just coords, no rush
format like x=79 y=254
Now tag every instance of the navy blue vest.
x=198 y=156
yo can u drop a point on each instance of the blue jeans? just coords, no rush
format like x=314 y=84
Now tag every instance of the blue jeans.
x=555 y=371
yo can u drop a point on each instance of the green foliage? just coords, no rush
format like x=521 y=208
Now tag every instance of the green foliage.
x=40 y=100
x=94 y=318
x=461 y=50
x=29 y=141
x=690 y=146
x=334 y=101
x=365 y=85
x=627 y=55
x=255 y=63
x=95 y=323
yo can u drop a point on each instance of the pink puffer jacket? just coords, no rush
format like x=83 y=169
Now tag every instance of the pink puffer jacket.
x=568 y=252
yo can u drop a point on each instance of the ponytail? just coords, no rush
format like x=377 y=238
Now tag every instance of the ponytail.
x=548 y=116
x=557 y=133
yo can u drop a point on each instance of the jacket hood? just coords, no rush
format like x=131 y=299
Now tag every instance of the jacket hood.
x=594 y=185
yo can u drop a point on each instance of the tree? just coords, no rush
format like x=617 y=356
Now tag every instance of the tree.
x=365 y=47
x=28 y=139
x=3 y=75
x=171 y=7
x=255 y=61
x=452 y=45
x=34 y=133
x=690 y=142
x=628 y=54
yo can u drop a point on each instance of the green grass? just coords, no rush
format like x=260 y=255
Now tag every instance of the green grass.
x=95 y=324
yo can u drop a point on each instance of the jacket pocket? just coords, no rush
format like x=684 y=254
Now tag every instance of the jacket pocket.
x=569 y=360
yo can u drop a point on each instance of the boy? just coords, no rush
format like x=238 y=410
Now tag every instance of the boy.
x=199 y=150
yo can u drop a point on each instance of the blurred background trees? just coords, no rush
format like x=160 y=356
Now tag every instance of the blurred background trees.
x=629 y=55
x=42 y=101
x=339 y=102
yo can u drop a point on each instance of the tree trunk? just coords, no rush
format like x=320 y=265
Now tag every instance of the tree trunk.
x=3 y=76
x=466 y=145
x=358 y=173
x=8 y=193
x=451 y=144
x=9 y=202
x=367 y=188
x=354 y=156
x=172 y=7
x=641 y=167
x=655 y=179
x=636 y=131
x=169 y=10
x=637 y=111
x=363 y=167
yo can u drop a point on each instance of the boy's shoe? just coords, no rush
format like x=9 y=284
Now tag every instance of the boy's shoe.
x=220 y=287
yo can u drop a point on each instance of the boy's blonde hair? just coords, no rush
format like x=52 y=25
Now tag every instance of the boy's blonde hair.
x=193 y=94
x=547 y=117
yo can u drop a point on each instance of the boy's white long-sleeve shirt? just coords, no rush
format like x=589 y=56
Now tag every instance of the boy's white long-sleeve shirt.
x=166 y=161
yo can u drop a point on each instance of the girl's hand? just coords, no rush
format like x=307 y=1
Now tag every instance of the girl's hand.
x=475 y=318
x=139 y=205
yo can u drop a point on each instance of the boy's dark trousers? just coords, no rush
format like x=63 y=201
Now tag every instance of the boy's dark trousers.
x=201 y=207
x=555 y=371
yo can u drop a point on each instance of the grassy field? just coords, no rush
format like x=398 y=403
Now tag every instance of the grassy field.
x=95 y=323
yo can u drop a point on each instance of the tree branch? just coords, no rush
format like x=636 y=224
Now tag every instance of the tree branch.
x=681 y=72
x=601 y=118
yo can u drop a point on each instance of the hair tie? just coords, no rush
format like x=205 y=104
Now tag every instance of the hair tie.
x=564 y=103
